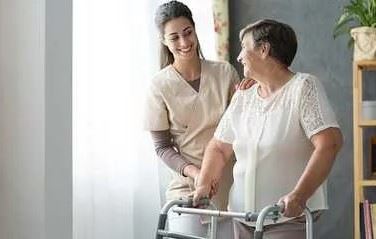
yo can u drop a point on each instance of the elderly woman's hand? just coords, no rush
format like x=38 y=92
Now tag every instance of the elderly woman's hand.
x=293 y=203
x=202 y=191
x=245 y=84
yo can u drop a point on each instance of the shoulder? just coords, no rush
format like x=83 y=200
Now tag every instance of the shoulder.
x=309 y=88
x=244 y=97
x=305 y=82
x=160 y=79
x=305 y=79
x=221 y=66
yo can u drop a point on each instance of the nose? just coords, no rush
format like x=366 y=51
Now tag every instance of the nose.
x=239 y=58
x=183 y=41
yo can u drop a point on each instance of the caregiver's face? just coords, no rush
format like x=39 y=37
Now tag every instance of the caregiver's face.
x=180 y=38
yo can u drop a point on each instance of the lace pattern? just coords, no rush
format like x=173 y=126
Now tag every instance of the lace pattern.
x=311 y=114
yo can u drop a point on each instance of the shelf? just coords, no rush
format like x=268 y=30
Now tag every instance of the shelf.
x=366 y=64
x=367 y=123
x=367 y=182
x=360 y=181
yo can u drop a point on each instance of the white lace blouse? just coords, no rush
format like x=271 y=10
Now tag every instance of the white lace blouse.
x=271 y=140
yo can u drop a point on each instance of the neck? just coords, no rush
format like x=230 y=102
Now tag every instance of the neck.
x=190 y=70
x=273 y=79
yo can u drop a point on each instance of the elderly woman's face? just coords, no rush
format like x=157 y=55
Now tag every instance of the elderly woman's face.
x=249 y=56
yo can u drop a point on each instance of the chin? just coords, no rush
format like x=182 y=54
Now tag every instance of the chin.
x=187 y=57
x=247 y=74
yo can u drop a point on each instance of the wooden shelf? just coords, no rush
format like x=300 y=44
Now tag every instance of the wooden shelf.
x=369 y=182
x=366 y=64
x=358 y=126
x=367 y=123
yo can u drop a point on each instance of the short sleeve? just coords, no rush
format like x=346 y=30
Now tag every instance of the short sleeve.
x=225 y=129
x=234 y=79
x=234 y=75
x=155 y=115
x=316 y=114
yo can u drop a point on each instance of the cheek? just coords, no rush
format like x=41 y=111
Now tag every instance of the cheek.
x=171 y=48
x=193 y=37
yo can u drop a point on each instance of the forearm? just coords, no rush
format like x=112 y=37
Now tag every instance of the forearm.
x=215 y=160
x=315 y=173
x=167 y=153
x=326 y=145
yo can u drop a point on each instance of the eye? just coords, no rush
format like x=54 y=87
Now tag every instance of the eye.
x=173 y=38
x=187 y=32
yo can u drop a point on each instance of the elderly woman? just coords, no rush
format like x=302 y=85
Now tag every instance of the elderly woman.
x=283 y=131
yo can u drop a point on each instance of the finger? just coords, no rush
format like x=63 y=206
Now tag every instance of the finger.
x=242 y=84
x=213 y=191
x=195 y=199
x=250 y=83
x=281 y=205
x=285 y=207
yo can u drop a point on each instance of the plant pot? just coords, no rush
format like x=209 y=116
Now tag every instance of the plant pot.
x=364 y=43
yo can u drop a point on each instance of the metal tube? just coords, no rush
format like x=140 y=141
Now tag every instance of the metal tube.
x=309 y=223
x=266 y=210
x=207 y=212
x=164 y=233
x=213 y=228
x=262 y=216
x=171 y=203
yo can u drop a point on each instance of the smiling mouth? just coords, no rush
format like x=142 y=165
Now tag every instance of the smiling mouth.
x=186 y=50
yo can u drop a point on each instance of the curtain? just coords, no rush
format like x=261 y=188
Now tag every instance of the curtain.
x=221 y=26
x=115 y=184
x=118 y=183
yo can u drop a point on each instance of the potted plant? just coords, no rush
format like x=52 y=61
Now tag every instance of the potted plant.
x=358 y=18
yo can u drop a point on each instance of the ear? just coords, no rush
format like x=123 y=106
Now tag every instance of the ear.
x=265 y=49
x=163 y=41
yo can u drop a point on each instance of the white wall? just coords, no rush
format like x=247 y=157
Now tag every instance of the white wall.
x=35 y=148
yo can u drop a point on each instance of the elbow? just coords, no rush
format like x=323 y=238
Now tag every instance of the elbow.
x=219 y=149
x=329 y=142
x=337 y=141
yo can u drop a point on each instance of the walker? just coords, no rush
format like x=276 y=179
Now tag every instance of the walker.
x=185 y=206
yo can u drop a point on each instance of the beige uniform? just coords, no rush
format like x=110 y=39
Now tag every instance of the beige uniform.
x=191 y=117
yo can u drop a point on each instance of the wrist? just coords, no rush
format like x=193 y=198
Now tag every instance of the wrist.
x=300 y=196
x=190 y=170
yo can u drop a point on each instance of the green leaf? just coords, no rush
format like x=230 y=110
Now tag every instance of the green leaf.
x=355 y=13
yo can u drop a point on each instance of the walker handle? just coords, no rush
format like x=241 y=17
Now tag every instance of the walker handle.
x=279 y=208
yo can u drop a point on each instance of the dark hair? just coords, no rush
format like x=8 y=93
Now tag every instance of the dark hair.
x=166 y=12
x=280 y=36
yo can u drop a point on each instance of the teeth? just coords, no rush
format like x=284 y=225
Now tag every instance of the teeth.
x=185 y=50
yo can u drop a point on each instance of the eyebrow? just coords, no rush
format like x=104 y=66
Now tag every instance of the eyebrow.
x=175 y=33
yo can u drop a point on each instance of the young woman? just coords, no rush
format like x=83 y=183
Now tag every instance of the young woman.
x=186 y=100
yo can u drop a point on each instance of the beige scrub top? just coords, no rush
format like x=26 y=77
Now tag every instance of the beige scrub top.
x=191 y=117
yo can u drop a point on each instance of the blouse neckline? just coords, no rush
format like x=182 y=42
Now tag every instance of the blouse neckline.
x=277 y=92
